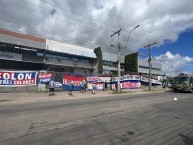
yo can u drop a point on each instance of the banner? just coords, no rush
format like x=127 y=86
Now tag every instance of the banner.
x=44 y=78
x=17 y=78
x=98 y=80
x=127 y=77
x=99 y=86
x=75 y=79
x=126 y=81
x=153 y=81
x=93 y=79
x=127 y=85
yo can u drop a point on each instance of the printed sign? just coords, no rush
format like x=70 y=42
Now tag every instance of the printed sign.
x=93 y=79
x=75 y=79
x=17 y=78
x=128 y=85
x=99 y=86
x=44 y=78
x=153 y=81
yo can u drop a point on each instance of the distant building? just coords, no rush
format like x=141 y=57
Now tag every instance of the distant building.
x=25 y=52
x=110 y=65
x=156 y=69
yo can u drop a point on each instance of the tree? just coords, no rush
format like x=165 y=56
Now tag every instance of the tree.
x=131 y=63
x=98 y=53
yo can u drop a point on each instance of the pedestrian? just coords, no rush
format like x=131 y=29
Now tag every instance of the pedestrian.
x=164 y=85
x=82 y=85
x=51 y=88
x=70 y=88
x=93 y=88
x=116 y=86
x=105 y=86
x=85 y=85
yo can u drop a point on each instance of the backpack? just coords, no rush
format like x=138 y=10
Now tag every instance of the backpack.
x=51 y=84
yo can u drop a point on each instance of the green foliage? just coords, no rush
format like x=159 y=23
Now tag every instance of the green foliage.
x=131 y=63
x=98 y=53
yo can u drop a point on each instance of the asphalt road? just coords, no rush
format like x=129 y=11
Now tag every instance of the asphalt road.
x=136 y=119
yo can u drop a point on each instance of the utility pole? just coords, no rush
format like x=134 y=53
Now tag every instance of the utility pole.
x=118 y=60
x=149 y=61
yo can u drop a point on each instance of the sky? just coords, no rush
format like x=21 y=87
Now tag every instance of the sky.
x=90 y=23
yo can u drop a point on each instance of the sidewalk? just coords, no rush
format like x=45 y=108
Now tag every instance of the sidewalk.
x=33 y=97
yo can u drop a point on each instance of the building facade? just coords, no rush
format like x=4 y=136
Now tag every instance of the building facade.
x=24 y=52
x=110 y=65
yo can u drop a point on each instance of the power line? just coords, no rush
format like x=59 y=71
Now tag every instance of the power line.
x=55 y=34
x=91 y=18
x=84 y=22
x=80 y=15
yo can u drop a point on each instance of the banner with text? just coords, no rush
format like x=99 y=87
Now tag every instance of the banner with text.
x=44 y=78
x=145 y=80
x=17 y=78
x=75 y=79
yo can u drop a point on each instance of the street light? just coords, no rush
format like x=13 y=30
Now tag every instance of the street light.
x=119 y=57
x=130 y=34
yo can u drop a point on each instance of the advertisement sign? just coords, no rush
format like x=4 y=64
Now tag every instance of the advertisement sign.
x=99 y=86
x=153 y=81
x=75 y=79
x=44 y=78
x=17 y=78
x=92 y=79
x=126 y=81
x=127 y=85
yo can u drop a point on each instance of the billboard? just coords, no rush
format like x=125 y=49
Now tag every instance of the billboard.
x=17 y=78
x=44 y=78
x=75 y=79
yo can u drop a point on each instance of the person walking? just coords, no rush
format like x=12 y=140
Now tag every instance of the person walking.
x=105 y=86
x=51 y=88
x=85 y=85
x=94 y=88
x=82 y=85
x=70 y=88
x=164 y=85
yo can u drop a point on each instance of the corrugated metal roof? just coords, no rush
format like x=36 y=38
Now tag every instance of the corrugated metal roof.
x=21 y=41
x=20 y=35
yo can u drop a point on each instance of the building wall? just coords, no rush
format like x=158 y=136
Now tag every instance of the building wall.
x=143 y=67
x=144 y=63
x=112 y=57
x=69 y=49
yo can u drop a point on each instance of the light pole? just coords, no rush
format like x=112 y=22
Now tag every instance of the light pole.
x=119 y=55
x=130 y=34
x=149 y=61
x=118 y=60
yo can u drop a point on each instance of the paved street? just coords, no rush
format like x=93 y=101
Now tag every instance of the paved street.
x=136 y=119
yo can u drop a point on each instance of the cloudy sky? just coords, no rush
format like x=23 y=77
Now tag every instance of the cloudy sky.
x=90 y=23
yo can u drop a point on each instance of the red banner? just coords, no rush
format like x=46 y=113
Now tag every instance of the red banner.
x=45 y=75
x=75 y=79
x=128 y=85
